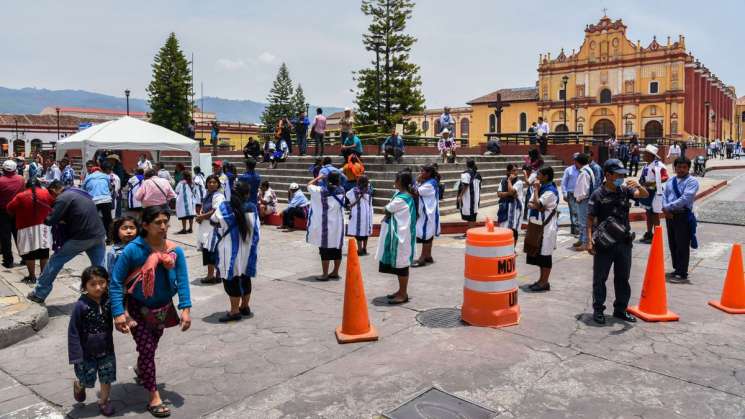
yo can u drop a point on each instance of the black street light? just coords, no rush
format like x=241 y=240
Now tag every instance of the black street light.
x=565 y=81
x=57 y=110
x=707 y=105
x=307 y=110
x=126 y=93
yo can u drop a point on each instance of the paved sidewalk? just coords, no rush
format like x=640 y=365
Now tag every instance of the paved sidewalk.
x=19 y=318
x=285 y=361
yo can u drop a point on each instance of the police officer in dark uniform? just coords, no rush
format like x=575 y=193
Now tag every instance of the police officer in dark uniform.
x=610 y=238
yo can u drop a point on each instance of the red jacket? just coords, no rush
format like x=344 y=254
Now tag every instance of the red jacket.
x=22 y=206
x=10 y=185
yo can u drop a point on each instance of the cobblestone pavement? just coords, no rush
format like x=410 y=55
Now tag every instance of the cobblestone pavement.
x=728 y=205
x=285 y=361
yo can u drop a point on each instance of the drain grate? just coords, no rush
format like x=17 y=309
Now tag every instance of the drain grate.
x=440 y=318
x=435 y=403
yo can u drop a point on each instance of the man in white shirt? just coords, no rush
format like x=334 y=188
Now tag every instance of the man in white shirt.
x=542 y=127
x=673 y=152
x=318 y=130
x=582 y=191
x=144 y=163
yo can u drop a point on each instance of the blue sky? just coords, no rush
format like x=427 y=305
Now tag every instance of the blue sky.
x=466 y=48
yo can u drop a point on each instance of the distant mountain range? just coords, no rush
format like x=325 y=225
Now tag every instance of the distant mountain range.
x=29 y=100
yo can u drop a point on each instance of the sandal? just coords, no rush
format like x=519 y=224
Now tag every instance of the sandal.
x=538 y=288
x=323 y=278
x=246 y=311
x=419 y=264
x=159 y=411
x=392 y=302
x=106 y=409
x=334 y=276
x=229 y=317
x=181 y=232
x=78 y=391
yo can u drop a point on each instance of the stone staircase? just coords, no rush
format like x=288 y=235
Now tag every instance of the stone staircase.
x=382 y=175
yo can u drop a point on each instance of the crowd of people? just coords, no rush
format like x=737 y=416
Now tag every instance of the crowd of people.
x=121 y=224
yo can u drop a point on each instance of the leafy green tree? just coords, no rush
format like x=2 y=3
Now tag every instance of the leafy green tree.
x=391 y=88
x=298 y=100
x=280 y=102
x=170 y=89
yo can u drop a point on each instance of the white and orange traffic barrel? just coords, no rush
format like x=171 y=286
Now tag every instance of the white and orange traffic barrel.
x=490 y=285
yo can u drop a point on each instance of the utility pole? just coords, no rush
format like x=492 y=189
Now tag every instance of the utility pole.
x=57 y=110
x=126 y=93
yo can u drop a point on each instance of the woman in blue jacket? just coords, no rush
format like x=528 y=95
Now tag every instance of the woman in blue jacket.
x=151 y=270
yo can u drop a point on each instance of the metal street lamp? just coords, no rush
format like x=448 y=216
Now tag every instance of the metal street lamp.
x=126 y=93
x=307 y=110
x=57 y=110
x=707 y=105
x=565 y=81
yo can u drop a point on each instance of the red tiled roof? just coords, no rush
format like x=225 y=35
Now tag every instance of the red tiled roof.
x=100 y=111
x=39 y=120
x=508 y=95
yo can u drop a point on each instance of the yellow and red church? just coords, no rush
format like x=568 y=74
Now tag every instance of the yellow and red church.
x=615 y=86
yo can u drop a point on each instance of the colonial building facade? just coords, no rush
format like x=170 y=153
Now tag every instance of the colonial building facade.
x=739 y=132
x=428 y=122
x=614 y=86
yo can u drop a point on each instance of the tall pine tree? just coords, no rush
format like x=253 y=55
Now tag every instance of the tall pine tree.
x=298 y=101
x=392 y=87
x=280 y=100
x=169 y=91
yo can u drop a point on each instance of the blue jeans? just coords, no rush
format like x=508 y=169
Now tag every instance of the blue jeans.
x=572 y=211
x=582 y=219
x=302 y=143
x=94 y=248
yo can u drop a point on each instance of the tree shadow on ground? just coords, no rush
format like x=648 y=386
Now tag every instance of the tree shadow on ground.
x=126 y=398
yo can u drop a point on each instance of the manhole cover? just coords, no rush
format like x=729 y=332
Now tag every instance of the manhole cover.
x=440 y=318
x=435 y=403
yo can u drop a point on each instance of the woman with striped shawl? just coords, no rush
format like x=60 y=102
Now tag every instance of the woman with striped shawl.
x=236 y=245
x=326 y=222
x=398 y=236
x=186 y=202
x=360 y=224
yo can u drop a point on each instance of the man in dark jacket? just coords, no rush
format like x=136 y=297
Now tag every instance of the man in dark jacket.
x=83 y=230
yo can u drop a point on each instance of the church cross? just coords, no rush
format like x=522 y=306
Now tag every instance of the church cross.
x=605 y=11
x=498 y=108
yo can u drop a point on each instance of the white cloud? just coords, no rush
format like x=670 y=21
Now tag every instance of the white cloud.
x=267 y=57
x=230 y=65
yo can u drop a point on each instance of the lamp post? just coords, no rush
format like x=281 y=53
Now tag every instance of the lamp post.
x=14 y=142
x=707 y=105
x=564 y=82
x=126 y=94
x=57 y=110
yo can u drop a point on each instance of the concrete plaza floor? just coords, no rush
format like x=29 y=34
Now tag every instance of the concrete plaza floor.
x=285 y=362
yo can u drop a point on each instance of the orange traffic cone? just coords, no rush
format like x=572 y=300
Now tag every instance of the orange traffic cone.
x=733 y=292
x=653 y=301
x=355 y=325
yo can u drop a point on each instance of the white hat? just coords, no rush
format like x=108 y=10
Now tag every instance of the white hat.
x=9 y=166
x=651 y=149
x=445 y=131
x=347 y=109
x=294 y=186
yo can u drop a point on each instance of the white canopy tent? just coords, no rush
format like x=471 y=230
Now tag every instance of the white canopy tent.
x=127 y=133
